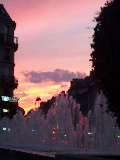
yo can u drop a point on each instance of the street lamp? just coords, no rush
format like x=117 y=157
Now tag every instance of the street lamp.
x=37 y=99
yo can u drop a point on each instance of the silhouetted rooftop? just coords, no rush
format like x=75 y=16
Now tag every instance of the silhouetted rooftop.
x=3 y=13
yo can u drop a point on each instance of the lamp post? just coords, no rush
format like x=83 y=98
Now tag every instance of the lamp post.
x=37 y=99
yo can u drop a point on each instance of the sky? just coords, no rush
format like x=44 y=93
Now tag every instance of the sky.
x=54 y=38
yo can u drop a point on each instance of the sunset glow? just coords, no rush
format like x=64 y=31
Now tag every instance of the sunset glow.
x=54 y=45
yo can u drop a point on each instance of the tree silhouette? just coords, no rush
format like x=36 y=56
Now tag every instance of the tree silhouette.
x=106 y=54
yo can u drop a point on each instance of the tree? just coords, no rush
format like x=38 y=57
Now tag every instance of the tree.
x=106 y=54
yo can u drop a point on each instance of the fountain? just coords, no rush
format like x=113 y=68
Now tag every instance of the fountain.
x=96 y=132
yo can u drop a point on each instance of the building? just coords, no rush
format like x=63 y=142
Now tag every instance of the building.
x=85 y=92
x=45 y=106
x=8 y=82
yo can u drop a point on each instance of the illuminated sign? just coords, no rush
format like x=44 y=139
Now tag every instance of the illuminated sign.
x=10 y=99
x=4 y=128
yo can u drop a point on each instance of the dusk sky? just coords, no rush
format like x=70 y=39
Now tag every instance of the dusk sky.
x=54 y=45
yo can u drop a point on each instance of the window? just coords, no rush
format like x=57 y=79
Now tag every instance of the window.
x=2 y=11
x=6 y=71
x=6 y=32
x=6 y=28
x=5 y=110
x=7 y=54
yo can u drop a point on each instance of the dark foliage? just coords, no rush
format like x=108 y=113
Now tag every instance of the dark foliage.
x=106 y=54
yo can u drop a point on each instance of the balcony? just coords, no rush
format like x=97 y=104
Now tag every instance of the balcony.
x=9 y=82
x=9 y=40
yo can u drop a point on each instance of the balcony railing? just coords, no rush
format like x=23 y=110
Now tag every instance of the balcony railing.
x=9 y=81
x=8 y=39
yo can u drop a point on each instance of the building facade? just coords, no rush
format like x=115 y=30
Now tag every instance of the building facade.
x=85 y=92
x=8 y=82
